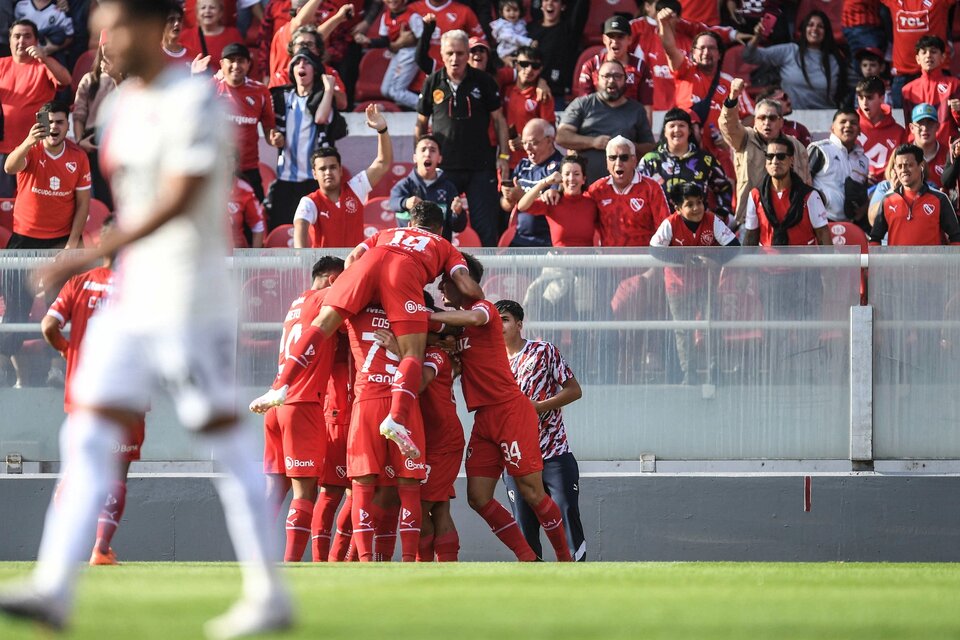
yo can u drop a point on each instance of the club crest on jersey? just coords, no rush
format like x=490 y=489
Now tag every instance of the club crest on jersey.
x=637 y=203
x=530 y=105
x=352 y=205
x=529 y=366
x=249 y=100
x=941 y=87
x=707 y=238
x=389 y=471
x=233 y=207
x=928 y=209
x=71 y=167
x=341 y=472
x=451 y=16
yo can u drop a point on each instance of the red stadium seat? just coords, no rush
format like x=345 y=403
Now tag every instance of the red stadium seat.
x=588 y=53
x=83 y=65
x=6 y=213
x=600 y=10
x=91 y=230
x=386 y=106
x=377 y=213
x=398 y=171
x=847 y=233
x=467 y=238
x=4 y=239
x=267 y=175
x=734 y=65
x=265 y=298
x=373 y=67
x=280 y=238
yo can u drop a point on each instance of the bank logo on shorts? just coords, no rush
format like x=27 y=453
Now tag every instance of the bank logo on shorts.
x=413 y=466
x=413 y=307
x=293 y=463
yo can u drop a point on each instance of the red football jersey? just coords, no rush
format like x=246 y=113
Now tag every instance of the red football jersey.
x=629 y=218
x=692 y=86
x=245 y=211
x=913 y=19
x=250 y=104
x=391 y=25
x=450 y=17
x=46 y=188
x=190 y=38
x=190 y=13
x=639 y=79
x=879 y=140
x=311 y=383
x=339 y=401
x=77 y=301
x=441 y=424
x=24 y=88
x=520 y=106
x=573 y=221
x=486 y=378
x=340 y=223
x=433 y=254
x=375 y=365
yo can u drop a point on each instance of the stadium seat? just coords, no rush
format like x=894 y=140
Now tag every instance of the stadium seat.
x=847 y=233
x=600 y=10
x=267 y=175
x=83 y=65
x=377 y=213
x=264 y=298
x=588 y=53
x=4 y=239
x=280 y=238
x=373 y=67
x=734 y=65
x=466 y=239
x=6 y=213
x=398 y=171
x=386 y=106
x=91 y=230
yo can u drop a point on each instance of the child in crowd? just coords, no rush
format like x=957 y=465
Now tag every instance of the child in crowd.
x=426 y=182
x=934 y=87
x=510 y=30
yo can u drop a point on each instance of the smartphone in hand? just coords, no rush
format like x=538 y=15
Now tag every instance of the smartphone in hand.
x=767 y=22
x=43 y=119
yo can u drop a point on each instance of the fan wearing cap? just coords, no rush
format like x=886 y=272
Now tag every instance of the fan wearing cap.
x=925 y=121
x=250 y=107
x=678 y=160
x=616 y=39
x=934 y=87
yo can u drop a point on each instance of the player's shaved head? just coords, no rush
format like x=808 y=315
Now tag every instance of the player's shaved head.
x=474 y=266
x=512 y=308
x=427 y=215
x=327 y=265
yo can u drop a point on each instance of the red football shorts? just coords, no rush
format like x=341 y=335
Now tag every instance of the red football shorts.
x=505 y=435
x=395 y=280
x=442 y=470
x=294 y=440
x=335 y=462
x=129 y=450
x=369 y=453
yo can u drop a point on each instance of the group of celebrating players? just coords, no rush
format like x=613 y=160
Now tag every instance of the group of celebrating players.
x=402 y=447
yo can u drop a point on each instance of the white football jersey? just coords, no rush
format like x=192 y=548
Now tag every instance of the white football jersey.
x=174 y=127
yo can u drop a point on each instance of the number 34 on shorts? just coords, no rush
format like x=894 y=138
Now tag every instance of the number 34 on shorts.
x=511 y=453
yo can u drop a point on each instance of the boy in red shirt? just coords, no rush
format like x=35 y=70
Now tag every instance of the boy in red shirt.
x=879 y=132
x=506 y=430
x=934 y=87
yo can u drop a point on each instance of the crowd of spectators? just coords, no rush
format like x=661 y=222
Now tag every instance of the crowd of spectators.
x=525 y=131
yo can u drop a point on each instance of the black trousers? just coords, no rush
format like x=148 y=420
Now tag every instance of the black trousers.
x=483 y=202
x=254 y=179
x=283 y=199
x=561 y=480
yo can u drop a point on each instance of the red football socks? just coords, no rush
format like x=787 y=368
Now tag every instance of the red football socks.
x=411 y=513
x=341 y=541
x=385 y=538
x=321 y=526
x=110 y=516
x=364 y=518
x=425 y=549
x=548 y=513
x=298 y=529
x=405 y=387
x=506 y=528
x=301 y=353
x=447 y=546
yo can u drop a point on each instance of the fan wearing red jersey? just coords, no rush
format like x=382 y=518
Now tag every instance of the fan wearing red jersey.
x=294 y=433
x=393 y=266
x=77 y=301
x=245 y=211
x=505 y=426
x=369 y=456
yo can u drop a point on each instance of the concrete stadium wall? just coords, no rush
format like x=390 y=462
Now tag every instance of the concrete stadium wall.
x=642 y=517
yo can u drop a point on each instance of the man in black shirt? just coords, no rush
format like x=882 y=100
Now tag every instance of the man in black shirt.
x=557 y=27
x=461 y=102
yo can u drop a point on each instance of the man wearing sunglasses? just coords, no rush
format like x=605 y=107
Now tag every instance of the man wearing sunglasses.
x=749 y=144
x=520 y=103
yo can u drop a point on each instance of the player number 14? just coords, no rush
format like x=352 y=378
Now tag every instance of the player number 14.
x=414 y=243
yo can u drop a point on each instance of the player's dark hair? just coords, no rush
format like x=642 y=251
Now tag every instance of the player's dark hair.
x=428 y=301
x=153 y=10
x=909 y=150
x=710 y=34
x=511 y=307
x=426 y=214
x=845 y=111
x=427 y=136
x=327 y=264
x=506 y=3
x=474 y=266
x=781 y=140
x=685 y=190
x=871 y=86
x=670 y=4
x=325 y=152
x=55 y=106
x=573 y=158
x=532 y=53
x=23 y=22
x=176 y=10
x=930 y=42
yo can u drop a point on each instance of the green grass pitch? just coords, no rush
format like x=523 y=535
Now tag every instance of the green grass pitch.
x=505 y=601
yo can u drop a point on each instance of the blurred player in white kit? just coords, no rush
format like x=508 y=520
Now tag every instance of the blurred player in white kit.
x=166 y=147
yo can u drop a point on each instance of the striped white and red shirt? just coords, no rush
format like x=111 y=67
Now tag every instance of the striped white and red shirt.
x=540 y=371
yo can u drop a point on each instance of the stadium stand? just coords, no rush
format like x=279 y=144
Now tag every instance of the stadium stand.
x=373 y=66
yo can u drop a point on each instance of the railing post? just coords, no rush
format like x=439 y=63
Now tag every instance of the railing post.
x=861 y=384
